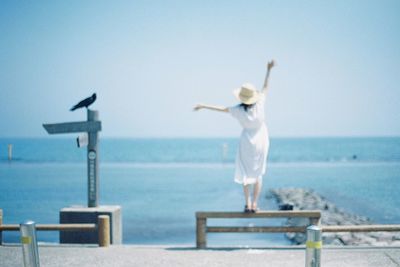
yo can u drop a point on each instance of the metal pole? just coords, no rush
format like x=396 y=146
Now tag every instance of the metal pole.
x=92 y=160
x=29 y=244
x=313 y=246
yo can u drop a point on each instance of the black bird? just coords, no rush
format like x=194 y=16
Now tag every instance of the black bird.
x=85 y=102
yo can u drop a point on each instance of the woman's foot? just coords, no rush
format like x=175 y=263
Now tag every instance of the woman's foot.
x=246 y=209
x=254 y=208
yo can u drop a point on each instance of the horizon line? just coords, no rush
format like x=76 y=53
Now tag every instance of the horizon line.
x=65 y=136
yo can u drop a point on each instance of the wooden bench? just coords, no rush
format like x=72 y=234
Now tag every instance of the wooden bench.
x=202 y=229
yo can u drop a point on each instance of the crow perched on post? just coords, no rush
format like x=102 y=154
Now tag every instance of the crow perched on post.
x=85 y=102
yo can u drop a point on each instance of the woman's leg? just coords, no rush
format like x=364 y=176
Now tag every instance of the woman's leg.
x=247 y=195
x=256 y=193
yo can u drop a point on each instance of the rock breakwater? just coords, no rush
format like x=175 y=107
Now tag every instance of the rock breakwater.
x=307 y=199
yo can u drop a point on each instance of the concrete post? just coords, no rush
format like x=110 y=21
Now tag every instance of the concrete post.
x=93 y=166
x=10 y=147
x=1 y=222
x=103 y=225
x=313 y=246
x=29 y=244
x=315 y=221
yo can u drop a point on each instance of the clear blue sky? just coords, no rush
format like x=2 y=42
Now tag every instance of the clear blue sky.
x=338 y=70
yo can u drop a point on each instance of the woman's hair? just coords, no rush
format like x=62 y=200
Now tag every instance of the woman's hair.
x=246 y=106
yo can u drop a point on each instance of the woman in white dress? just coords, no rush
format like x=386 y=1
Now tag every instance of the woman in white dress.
x=252 y=154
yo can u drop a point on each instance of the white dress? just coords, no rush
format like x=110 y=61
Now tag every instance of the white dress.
x=252 y=153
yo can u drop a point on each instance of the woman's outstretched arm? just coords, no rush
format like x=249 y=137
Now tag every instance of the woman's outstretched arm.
x=210 y=107
x=270 y=65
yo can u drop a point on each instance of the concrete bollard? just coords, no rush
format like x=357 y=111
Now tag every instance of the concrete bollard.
x=104 y=230
x=29 y=244
x=313 y=246
x=225 y=149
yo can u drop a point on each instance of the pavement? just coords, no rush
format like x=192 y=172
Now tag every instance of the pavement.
x=132 y=255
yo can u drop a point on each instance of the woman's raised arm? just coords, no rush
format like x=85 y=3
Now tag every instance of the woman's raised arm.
x=270 y=65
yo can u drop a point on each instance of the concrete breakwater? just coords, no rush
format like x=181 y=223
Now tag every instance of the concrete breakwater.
x=307 y=199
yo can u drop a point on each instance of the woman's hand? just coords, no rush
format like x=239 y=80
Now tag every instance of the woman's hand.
x=198 y=107
x=270 y=65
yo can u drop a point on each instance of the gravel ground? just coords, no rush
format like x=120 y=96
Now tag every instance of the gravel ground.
x=129 y=255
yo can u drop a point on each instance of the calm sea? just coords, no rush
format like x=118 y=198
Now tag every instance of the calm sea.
x=161 y=183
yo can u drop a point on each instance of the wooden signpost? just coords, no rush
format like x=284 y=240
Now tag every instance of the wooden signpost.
x=92 y=126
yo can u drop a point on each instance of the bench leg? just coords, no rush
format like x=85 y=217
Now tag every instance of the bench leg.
x=201 y=239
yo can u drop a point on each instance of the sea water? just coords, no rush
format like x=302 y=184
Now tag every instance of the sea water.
x=161 y=183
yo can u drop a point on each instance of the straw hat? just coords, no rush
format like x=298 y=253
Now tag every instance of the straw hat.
x=247 y=94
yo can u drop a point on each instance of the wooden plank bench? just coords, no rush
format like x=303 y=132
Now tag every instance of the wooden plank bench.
x=202 y=229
